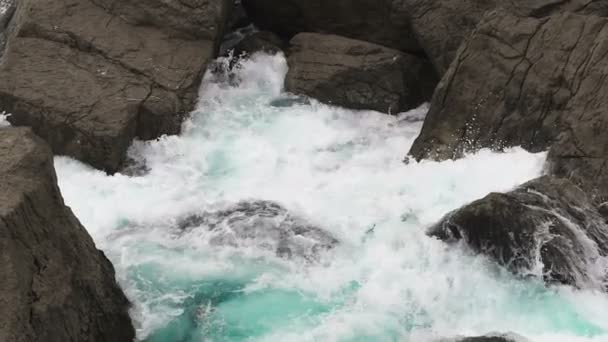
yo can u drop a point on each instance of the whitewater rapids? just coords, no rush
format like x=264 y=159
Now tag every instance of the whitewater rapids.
x=341 y=171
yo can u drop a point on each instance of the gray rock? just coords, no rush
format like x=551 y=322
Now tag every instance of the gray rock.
x=7 y=9
x=357 y=74
x=536 y=83
x=548 y=220
x=441 y=26
x=203 y=19
x=54 y=284
x=265 y=225
x=381 y=22
x=88 y=82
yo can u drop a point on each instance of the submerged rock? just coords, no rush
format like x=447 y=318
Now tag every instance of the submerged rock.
x=485 y=339
x=264 y=225
x=289 y=101
x=54 y=284
x=380 y=22
x=90 y=75
x=357 y=74
x=547 y=227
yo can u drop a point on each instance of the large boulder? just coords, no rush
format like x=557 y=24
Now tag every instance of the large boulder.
x=526 y=82
x=357 y=74
x=88 y=80
x=486 y=339
x=54 y=284
x=547 y=227
x=441 y=26
x=379 y=21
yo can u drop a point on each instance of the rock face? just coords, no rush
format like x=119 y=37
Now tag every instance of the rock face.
x=54 y=284
x=357 y=74
x=204 y=19
x=265 y=225
x=88 y=80
x=548 y=220
x=527 y=82
x=382 y=22
x=441 y=26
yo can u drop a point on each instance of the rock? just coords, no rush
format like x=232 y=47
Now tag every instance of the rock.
x=442 y=26
x=380 y=22
x=357 y=74
x=485 y=339
x=262 y=41
x=517 y=82
x=488 y=338
x=7 y=9
x=238 y=17
x=203 y=19
x=54 y=284
x=547 y=223
x=88 y=82
x=265 y=225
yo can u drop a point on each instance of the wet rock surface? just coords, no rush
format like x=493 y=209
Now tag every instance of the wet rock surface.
x=265 y=225
x=54 y=284
x=527 y=82
x=548 y=222
x=89 y=76
x=357 y=74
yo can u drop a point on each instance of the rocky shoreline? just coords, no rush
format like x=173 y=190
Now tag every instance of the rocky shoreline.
x=84 y=78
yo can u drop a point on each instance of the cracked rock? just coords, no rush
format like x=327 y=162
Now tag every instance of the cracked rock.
x=54 y=283
x=441 y=26
x=531 y=82
x=89 y=77
x=357 y=74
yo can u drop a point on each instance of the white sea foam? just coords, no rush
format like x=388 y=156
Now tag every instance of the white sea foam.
x=342 y=170
x=4 y=119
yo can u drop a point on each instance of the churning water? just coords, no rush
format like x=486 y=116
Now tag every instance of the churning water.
x=195 y=239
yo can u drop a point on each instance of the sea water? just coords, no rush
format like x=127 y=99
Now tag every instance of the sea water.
x=341 y=171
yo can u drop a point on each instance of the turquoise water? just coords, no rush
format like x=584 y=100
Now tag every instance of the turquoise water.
x=341 y=171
